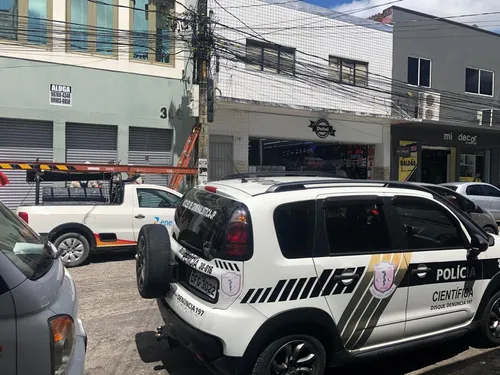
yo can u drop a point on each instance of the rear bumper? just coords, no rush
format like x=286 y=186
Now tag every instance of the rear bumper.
x=78 y=363
x=207 y=348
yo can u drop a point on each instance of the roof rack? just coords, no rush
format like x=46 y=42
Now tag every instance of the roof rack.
x=234 y=176
x=300 y=185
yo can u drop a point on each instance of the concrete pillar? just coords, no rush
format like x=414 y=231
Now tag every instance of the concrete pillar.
x=59 y=141
x=122 y=144
x=382 y=169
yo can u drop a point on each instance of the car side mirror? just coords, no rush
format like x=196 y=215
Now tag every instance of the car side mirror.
x=478 y=244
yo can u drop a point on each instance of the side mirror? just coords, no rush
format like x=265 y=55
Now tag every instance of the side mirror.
x=478 y=244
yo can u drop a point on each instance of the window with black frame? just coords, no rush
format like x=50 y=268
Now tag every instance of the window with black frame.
x=273 y=58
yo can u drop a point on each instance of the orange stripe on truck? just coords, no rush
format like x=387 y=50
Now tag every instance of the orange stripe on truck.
x=118 y=242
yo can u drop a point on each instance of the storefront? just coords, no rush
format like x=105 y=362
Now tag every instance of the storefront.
x=259 y=138
x=437 y=154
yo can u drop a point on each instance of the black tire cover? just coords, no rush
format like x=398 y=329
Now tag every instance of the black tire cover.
x=153 y=254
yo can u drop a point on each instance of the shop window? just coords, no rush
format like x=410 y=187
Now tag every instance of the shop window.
x=294 y=223
x=475 y=166
x=152 y=35
x=357 y=228
x=91 y=26
x=419 y=71
x=26 y=21
x=478 y=81
x=268 y=57
x=427 y=225
x=348 y=72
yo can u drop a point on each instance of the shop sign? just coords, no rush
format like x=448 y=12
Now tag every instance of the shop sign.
x=407 y=163
x=464 y=138
x=60 y=95
x=322 y=128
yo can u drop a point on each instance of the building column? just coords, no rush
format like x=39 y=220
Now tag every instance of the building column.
x=122 y=144
x=59 y=141
x=382 y=168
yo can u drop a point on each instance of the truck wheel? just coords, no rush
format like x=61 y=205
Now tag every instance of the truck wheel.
x=153 y=269
x=296 y=354
x=489 y=332
x=74 y=249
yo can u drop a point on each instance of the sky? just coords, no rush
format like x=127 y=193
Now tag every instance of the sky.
x=440 y=8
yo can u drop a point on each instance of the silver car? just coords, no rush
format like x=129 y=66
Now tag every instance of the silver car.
x=485 y=195
x=479 y=214
x=40 y=332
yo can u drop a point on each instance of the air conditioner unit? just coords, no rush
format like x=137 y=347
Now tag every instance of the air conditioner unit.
x=428 y=106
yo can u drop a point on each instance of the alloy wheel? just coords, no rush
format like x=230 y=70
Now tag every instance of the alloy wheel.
x=494 y=323
x=71 y=250
x=294 y=358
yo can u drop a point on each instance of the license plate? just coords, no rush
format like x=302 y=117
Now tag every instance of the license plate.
x=203 y=283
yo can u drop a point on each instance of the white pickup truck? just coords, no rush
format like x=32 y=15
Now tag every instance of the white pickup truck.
x=77 y=223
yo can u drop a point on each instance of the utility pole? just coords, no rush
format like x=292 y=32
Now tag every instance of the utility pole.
x=203 y=47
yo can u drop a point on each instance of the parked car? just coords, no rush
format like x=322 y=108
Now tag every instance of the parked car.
x=292 y=275
x=480 y=215
x=79 y=221
x=485 y=195
x=40 y=332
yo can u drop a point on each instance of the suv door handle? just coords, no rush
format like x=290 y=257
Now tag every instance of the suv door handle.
x=346 y=277
x=421 y=270
x=140 y=216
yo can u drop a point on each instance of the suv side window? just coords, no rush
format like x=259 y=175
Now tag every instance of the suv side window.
x=428 y=226
x=294 y=224
x=356 y=227
x=474 y=190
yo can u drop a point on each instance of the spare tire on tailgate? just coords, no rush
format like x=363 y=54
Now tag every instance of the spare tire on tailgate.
x=154 y=271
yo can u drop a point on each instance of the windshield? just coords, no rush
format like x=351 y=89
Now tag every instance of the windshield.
x=22 y=246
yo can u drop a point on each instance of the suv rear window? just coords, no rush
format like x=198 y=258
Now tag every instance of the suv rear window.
x=22 y=246
x=214 y=226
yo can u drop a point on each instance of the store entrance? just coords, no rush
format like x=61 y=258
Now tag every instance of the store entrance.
x=436 y=165
x=286 y=155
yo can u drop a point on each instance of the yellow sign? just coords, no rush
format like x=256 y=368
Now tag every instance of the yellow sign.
x=408 y=164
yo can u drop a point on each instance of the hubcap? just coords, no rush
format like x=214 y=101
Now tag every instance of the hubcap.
x=495 y=319
x=294 y=358
x=71 y=250
x=139 y=262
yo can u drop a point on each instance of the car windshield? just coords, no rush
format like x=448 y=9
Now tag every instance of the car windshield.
x=22 y=246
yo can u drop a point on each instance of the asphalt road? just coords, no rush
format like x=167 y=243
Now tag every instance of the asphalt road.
x=120 y=327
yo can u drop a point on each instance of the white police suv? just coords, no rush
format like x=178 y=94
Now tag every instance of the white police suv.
x=289 y=275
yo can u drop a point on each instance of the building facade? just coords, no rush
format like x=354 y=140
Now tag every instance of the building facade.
x=81 y=82
x=297 y=89
x=445 y=88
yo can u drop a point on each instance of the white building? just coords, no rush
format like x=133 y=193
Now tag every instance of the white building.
x=287 y=73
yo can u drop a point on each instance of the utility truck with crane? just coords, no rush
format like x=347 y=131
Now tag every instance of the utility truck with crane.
x=81 y=220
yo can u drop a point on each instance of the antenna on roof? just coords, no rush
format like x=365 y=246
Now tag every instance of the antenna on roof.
x=234 y=166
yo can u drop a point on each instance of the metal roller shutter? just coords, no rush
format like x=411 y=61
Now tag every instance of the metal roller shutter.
x=23 y=140
x=149 y=146
x=92 y=143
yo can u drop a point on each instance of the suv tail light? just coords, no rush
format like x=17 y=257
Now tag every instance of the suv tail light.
x=237 y=234
x=24 y=216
